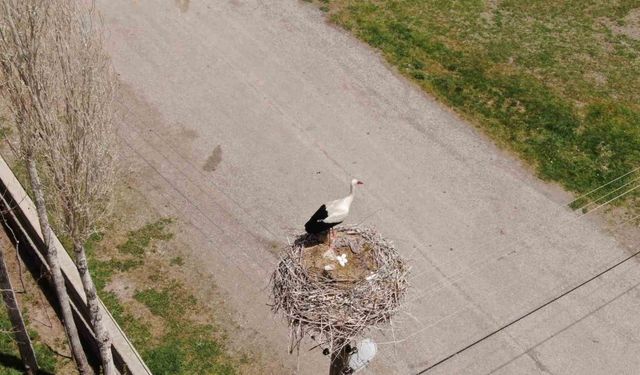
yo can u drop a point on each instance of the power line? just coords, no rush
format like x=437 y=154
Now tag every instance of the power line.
x=484 y=261
x=459 y=277
x=611 y=200
x=489 y=258
x=422 y=329
x=529 y=313
x=564 y=329
x=601 y=186
x=608 y=194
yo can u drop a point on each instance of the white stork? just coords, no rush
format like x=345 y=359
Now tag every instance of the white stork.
x=331 y=213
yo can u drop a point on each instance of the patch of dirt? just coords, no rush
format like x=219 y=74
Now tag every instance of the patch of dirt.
x=273 y=246
x=243 y=343
x=143 y=314
x=149 y=119
x=597 y=77
x=42 y=318
x=183 y=5
x=122 y=286
x=135 y=210
x=631 y=27
x=350 y=260
x=623 y=223
x=187 y=133
x=490 y=10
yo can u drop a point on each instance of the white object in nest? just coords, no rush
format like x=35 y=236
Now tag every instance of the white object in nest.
x=342 y=259
x=329 y=267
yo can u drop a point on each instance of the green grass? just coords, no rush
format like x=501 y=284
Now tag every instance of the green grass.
x=5 y=128
x=555 y=81
x=139 y=240
x=187 y=347
x=11 y=362
x=184 y=345
x=177 y=261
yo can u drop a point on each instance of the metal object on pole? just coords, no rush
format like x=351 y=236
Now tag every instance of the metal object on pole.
x=351 y=359
x=362 y=354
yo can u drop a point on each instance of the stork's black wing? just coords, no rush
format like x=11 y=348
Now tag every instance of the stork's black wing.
x=315 y=225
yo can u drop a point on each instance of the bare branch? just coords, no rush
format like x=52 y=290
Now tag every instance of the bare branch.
x=32 y=86
x=334 y=311
x=79 y=148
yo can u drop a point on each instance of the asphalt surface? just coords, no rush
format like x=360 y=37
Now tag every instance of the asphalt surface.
x=242 y=117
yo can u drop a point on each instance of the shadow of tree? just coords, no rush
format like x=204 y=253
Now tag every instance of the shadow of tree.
x=13 y=362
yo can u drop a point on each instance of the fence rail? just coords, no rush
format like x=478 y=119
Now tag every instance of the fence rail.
x=20 y=219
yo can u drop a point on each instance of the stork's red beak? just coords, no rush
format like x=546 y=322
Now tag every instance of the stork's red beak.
x=360 y=183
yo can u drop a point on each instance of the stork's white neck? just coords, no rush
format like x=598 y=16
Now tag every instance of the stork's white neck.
x=346 y=202
x=349 y=198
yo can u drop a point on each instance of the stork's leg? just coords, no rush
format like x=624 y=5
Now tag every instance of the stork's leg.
x=326 y=237
x=332 y=237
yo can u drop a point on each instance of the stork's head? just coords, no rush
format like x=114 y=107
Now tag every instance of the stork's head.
x=355 y=182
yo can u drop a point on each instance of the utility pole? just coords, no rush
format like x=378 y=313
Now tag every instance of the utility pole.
x=19 y=330
x=340 y=361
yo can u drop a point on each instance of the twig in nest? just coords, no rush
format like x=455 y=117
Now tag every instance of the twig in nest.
x=331 y=312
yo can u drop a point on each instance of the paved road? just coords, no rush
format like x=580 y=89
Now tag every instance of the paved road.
x=242 y=116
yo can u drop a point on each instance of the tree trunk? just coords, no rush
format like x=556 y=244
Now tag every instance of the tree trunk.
x=95 y=312
x=19 y=330
x=56 y=273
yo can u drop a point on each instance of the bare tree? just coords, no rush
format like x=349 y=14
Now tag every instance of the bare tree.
x=25 y=45
x=23 y=341
x=80 y=149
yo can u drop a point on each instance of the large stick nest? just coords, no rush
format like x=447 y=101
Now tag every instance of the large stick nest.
x=335 y=302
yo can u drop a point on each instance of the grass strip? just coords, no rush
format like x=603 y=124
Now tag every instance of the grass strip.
x=554 y=81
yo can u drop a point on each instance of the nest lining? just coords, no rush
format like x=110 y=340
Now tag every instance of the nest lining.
x=335 y=310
